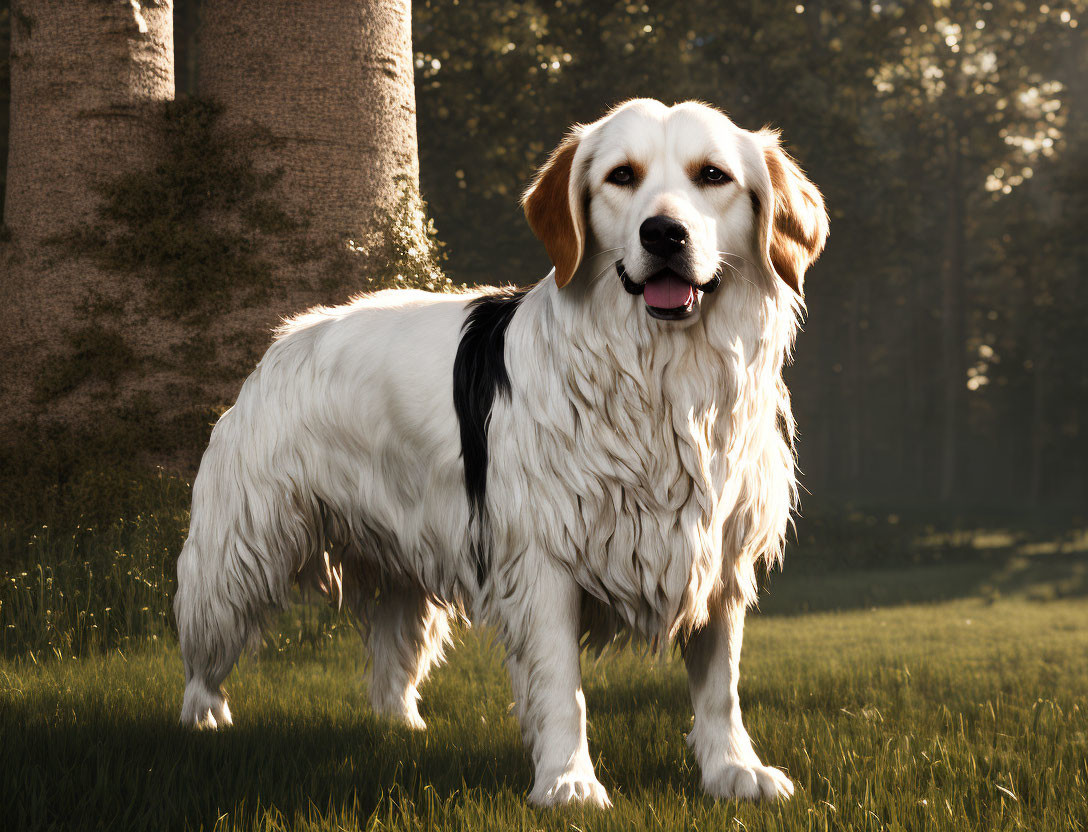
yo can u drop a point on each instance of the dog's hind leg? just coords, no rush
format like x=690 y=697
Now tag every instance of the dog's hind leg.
x=212 y=633
x=408 y=634
x=246 y=540
x=225 y=596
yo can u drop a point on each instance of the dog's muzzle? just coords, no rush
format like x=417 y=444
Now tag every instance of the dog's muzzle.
x=671 y=297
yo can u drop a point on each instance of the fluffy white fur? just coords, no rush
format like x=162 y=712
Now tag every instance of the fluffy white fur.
x=639 y=470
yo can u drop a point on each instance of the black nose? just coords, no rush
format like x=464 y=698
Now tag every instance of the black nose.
x=662 y=235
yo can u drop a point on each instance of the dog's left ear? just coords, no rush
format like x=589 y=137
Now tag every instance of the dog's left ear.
x=793 y=226
x=555 y=208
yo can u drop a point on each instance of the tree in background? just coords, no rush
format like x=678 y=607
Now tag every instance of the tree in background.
x=326 y=89
x=319 y=98
x=88 y=79
x=868 y=95
x=973 y=78
x=155 y=243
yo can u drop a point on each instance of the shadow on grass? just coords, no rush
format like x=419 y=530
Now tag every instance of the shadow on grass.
x=145 y=773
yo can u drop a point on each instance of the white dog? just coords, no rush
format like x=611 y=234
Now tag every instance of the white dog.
x=609 y=450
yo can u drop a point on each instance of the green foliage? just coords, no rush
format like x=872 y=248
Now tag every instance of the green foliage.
x=406 y=254
x=172 y=224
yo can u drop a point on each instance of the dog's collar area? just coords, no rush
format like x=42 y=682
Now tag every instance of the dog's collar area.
x=633 y=288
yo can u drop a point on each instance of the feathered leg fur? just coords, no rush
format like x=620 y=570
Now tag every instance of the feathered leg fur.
x=408 y=635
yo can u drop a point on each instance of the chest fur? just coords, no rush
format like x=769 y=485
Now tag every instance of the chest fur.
x=626 y=469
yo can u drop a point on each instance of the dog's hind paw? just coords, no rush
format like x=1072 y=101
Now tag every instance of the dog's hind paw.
x=203 y=709
x=737 y=781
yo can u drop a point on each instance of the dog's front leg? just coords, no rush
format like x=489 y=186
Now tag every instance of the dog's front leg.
x=730 y=766
x=543 y=659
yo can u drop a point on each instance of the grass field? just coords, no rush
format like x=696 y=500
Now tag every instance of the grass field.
x=961 y=715
x=947 y=691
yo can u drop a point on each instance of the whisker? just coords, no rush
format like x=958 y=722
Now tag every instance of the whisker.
x=731 y=254
x=736 y=271
x=605 y=251
x=600 y=274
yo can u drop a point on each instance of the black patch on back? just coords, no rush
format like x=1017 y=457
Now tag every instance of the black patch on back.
x=479 y=372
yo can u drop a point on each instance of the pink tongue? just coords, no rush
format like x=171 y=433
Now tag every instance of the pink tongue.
x=668 y=292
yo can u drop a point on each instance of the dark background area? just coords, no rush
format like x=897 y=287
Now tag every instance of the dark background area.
x=942 y=358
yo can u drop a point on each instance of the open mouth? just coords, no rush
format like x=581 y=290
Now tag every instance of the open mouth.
x=667 y=295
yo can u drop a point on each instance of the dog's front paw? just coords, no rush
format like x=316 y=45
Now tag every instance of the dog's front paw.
x=748 y=781
x=571 y=787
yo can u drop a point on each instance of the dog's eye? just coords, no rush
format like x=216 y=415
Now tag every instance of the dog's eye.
x=711 y=175
x=623 y=175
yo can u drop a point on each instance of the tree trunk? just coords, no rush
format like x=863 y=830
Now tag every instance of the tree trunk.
x=88 y=79
x=321 y=94
x=915 y=432
x=326 y=87
x=952 y=326
x=86 y=76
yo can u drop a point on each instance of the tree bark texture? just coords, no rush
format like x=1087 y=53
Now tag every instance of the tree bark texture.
x=88 y=80
x=86 y=76
x=326 y=87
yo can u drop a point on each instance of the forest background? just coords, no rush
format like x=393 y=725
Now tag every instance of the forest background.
x=942 y=359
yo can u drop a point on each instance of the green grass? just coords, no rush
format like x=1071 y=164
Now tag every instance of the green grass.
x=907 y=677
x=964 y=715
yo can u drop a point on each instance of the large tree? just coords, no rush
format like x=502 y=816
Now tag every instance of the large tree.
x=320 y=96
x=973 y=81
x=293 y=181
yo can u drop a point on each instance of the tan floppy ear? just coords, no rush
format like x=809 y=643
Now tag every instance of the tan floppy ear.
x=794 y=226
x=553 y=206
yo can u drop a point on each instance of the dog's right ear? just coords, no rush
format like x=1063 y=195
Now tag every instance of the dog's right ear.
x=556 y=210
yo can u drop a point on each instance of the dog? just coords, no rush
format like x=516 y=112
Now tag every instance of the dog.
x=608 y=452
